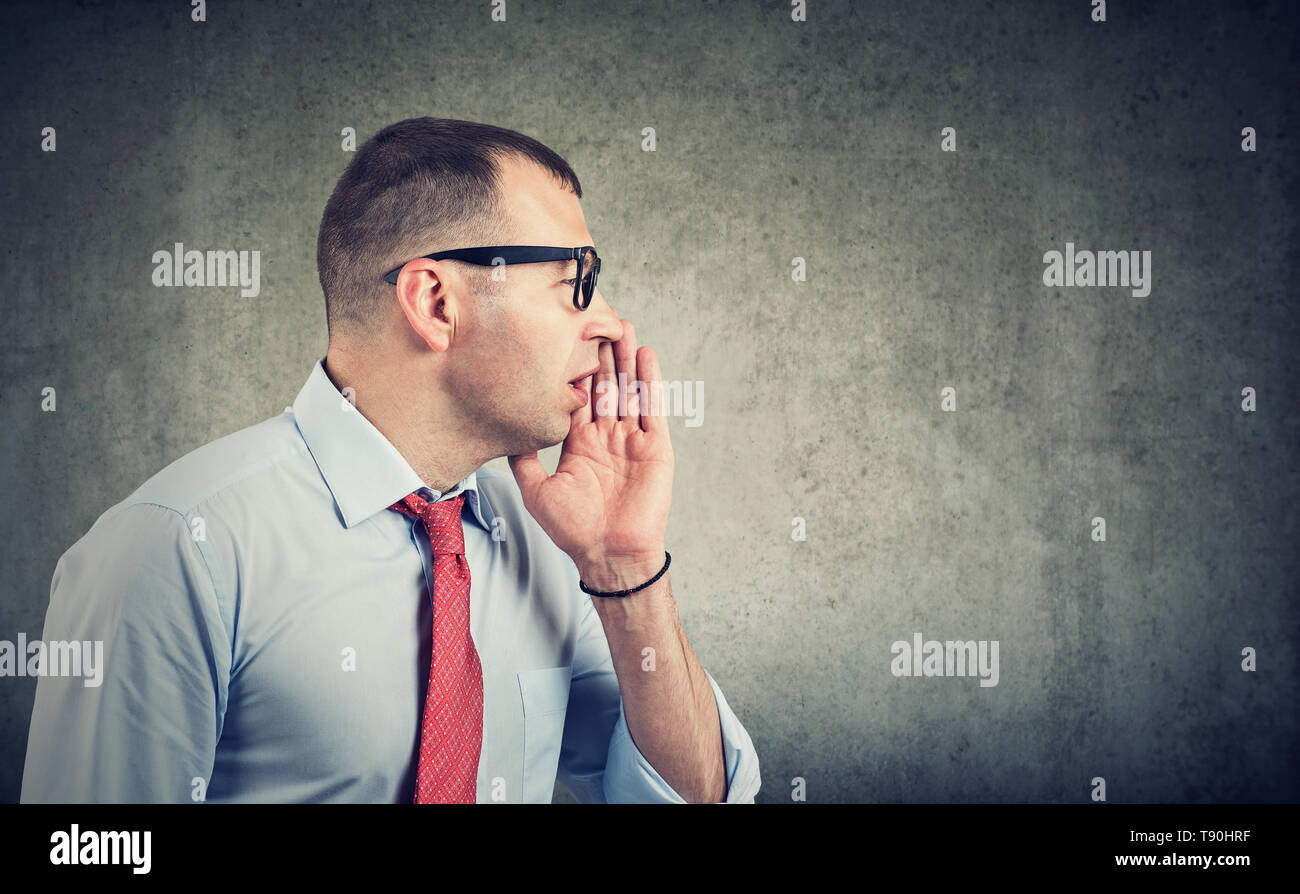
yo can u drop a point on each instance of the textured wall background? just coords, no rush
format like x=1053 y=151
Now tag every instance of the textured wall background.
x=775 y=139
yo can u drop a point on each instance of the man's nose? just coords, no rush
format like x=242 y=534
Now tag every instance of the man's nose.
x=607 y=322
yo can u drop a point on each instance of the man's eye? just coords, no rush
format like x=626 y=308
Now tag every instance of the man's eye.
x=570 y=281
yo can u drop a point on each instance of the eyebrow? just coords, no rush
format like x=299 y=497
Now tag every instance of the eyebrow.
x=563 y=268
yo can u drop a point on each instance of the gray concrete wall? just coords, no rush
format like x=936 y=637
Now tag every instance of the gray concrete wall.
x=776 y=140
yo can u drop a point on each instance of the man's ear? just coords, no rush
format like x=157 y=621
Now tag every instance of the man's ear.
x=427 y=297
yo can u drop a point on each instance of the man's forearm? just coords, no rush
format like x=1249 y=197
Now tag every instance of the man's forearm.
x=671 y=710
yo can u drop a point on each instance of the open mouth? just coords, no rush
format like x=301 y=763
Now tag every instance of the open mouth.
x=577 y=390
x=579 y=393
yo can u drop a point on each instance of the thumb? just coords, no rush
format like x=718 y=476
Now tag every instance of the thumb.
x=528 y=470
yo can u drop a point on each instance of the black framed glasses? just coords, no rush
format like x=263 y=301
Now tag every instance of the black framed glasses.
x=588 y=262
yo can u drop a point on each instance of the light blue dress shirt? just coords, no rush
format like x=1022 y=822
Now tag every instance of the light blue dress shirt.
x=267 y=628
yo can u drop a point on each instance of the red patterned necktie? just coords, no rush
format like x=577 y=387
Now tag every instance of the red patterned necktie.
x=451 y=735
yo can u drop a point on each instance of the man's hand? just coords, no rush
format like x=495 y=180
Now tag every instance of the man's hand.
x=607 y=507
x=607 y=503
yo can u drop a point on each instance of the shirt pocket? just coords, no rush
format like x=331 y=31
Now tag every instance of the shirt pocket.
x=545 y=694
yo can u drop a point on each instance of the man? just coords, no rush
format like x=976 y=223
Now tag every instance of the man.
x=342 y=604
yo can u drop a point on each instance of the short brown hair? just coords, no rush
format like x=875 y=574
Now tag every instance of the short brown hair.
x=413 y=188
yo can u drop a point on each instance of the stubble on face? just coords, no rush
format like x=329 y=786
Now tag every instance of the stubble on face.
x=503 y=379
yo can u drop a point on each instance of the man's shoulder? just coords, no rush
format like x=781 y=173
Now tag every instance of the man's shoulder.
x=223 y=478
x=237 y=461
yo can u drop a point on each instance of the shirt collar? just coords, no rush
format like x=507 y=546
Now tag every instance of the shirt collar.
x=363 y=470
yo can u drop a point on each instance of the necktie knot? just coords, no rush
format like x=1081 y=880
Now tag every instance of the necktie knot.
x=441 y=521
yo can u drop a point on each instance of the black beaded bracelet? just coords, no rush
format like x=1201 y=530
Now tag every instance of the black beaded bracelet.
x=667 y=562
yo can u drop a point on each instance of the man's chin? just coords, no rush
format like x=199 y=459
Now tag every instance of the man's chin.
x=536 y=440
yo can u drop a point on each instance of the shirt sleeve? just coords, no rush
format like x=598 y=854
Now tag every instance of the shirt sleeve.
x=147 y=728
x=599 y=762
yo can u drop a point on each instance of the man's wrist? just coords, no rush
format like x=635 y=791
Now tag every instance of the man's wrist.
x=609 y=574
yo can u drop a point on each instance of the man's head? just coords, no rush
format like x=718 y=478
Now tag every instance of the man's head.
x=493 y=355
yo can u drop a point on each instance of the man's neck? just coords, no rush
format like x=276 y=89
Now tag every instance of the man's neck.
x=442 y=454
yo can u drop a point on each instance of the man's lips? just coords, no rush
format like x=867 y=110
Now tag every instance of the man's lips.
x=580 y=393
x=579 y=378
